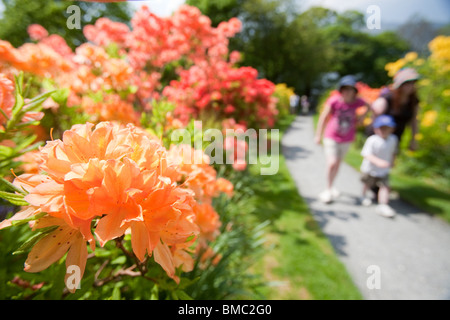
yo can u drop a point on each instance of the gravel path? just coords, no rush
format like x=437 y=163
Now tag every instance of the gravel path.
x=407 y=257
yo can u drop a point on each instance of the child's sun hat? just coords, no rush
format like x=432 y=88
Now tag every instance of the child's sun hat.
x=384 y=121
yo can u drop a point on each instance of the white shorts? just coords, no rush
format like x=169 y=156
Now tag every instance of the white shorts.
x=335 y=149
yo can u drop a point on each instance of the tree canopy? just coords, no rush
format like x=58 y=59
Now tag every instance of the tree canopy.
x=53 y=15
x=299 y=48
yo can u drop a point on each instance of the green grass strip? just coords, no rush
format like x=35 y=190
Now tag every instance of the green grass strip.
x=300 y=262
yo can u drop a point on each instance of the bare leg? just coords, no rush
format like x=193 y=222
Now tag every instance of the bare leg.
x=383 y=207
x=383 y=195
x=364 y=190
x=332 y=170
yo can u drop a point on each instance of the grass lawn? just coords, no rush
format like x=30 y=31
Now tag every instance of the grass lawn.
x=299 y=261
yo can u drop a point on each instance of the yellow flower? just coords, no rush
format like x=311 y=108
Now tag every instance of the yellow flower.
x=419 y=62
x=393 y=67
x=411 y=56
x=424 y=82
x=448 y=128
x=367 y=121
x=440 y=53
x=418 y=136
x=429 y=117
x=446 y=93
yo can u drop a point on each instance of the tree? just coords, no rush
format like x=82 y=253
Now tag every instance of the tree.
x=53 y=15
x=360 y=53
x=418 y=32
x=299 y=48
x=218 y=10
x=274 y=40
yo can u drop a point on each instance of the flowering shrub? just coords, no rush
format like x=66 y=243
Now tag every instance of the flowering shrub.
x=97 y=181
x=132 y=63
x=432 y=157
x=283 y=94
x=224 y=91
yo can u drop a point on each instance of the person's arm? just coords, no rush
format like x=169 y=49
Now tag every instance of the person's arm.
x=394 y=152
x=323 y=119
x=414 y=129
x=360 y=118
x=380 y=163
x=368 y=153
x=379 y=106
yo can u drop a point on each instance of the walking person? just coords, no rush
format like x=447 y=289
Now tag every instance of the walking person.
x=337 y=125
x=293 y=102
x=305 y=104
x=401 y=102
x=379 y=153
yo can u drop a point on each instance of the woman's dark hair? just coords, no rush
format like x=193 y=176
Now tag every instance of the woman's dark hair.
x=396 y=97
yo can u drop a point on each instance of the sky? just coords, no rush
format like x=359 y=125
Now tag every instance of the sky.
x=391 y=11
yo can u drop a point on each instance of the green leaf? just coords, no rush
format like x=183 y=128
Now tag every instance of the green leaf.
x=4 y=114
x=32 y=218
x=174 y=295
x=183 y=295
x=154 y=293
x=35 y=104
x=18 y=80
x=27 y=124
x=6 y=152
x=11 y=186
x=15 y=113
x=39 y=234
x=116 y=294
x=61 y=95
x=119 y=260
x=34 y=146
x=186 y=282
x=191 y=237
x=103 y=253
x=13 y=198
x=25 y=142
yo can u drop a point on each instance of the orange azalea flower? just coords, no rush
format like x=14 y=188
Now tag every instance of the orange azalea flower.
x=208 y=220
x=37 y=32
x=112 y=108
x=7 y=101
x=31 y=161
x=10 y=56
x=192 y=169
x=54 y=245
x=207 y=253
x=225 y=186
x=182 y=257
x=6 y=97
x=367 y=93
x=112 y=175
x=42 y=60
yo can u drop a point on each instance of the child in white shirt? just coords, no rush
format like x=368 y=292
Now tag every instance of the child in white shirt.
x=379 y=152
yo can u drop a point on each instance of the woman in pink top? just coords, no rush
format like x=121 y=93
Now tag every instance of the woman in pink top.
x=338 y=119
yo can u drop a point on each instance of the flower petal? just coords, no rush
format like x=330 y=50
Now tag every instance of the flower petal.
x=77 y=256
x=49 y=249
x=164 y=257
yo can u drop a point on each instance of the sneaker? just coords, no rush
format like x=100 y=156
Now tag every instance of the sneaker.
x=385 y=211
x=326 y=196
x=335 y=193
x=365 y=201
